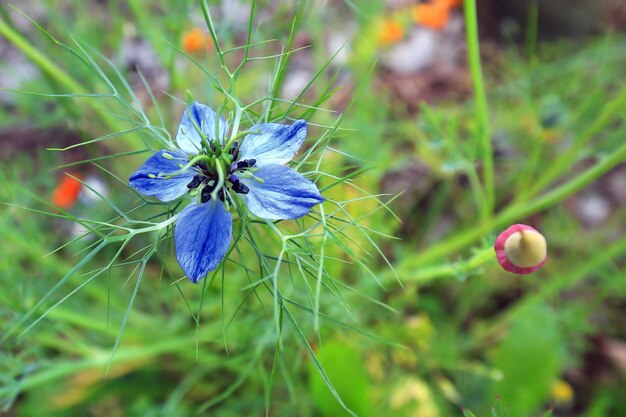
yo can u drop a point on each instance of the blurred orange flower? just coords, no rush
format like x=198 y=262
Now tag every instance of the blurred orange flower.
x=391 y=31
x=66 y=192
x=434 y=15
x=451 y=4
x=196 y=40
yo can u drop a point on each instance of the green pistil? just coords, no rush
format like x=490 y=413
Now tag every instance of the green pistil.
x=237 y=136
x=220 y=180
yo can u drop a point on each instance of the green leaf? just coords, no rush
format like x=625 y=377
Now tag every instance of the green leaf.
x=530 y=360
x=344 y=367
x=467 y=413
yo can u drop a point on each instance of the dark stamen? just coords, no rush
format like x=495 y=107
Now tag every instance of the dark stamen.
x=234 y=151
x=195 y=182
x=205 y=195
x=242 y=189
x=221 y=195
x=245 y=164
x=238 y=186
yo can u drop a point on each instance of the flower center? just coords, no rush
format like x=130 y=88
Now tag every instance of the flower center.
x=207 y=179
x=526 y=248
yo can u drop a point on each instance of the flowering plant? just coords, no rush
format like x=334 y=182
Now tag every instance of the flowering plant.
x=214 y=170
x=219 y=191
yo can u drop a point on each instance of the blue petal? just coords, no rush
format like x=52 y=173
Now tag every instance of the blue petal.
x=198 y=116
x=284 y=194
x=202 y=236
x=157 y=166
x=274 y=143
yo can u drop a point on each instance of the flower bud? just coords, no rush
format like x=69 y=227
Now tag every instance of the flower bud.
x=521 y=249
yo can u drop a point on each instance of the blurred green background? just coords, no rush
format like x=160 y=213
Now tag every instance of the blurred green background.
x=453 y=330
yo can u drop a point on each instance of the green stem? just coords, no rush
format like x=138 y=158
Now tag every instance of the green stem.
x=560 y=193
x=53 y=71
x=129 y=355
x=531 y=32
x=568 y=158
x=517 y=212
x=482 y=110
x=237 y=120
x=448 y=270
x=40 y=59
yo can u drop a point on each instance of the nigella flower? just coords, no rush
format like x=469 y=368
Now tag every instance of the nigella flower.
x=215 y=170
x=521 y=249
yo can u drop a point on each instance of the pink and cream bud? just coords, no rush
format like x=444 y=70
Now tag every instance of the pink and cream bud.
x=521 y=249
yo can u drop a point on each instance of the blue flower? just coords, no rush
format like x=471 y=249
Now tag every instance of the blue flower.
x=213 y=169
